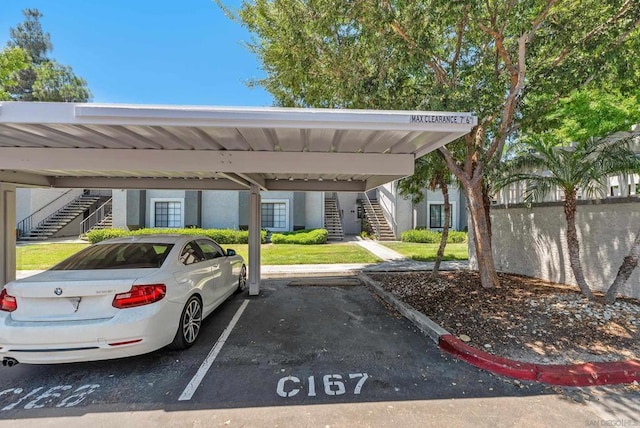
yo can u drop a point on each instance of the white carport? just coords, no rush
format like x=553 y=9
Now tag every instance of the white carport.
x=108 y=146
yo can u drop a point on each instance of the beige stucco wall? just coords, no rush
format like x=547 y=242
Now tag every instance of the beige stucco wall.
x=220 y=209
x=532 y=242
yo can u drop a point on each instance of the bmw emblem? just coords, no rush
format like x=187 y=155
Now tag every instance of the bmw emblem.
x=58 y=291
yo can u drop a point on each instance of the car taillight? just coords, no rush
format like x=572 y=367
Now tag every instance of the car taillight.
x=7 y=303
x=140 y=295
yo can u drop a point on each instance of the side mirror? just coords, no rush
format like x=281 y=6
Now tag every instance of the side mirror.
x=230 y=252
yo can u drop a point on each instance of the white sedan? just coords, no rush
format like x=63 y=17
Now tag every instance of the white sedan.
x=117 y=298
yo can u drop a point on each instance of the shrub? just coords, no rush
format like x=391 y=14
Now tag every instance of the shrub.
x=432 y=237
x=98 y=235
x=302 y=237
x=457 y=237
x=221 y=236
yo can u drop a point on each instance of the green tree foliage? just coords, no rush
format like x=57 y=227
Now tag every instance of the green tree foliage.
x=29 y=35
x=588 y=113
x=55 y=82
x=510 y=62
x=42 y=79
x=12 y=61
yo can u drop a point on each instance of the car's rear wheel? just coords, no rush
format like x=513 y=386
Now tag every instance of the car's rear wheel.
x=242 y=280
x=190 y=323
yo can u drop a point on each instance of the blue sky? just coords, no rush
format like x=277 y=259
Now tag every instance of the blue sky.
x=152 y=52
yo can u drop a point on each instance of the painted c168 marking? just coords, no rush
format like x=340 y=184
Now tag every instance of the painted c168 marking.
x=290 y=386
x=50 y=395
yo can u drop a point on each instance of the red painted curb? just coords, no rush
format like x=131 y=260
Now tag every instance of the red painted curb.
x=606 y=373
x=484 y=360
x=586 y=374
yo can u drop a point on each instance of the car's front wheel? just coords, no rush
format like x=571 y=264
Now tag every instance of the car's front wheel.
x=190 y=323
x=242 y=280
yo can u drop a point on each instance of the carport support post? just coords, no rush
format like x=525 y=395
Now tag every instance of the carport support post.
x=254 y=241
x=8 y=236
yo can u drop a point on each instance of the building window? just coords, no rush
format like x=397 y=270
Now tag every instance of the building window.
x=167 y=213
x=436 y=216
x=275 y=215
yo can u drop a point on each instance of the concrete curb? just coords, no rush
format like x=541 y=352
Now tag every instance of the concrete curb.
x=585 y=374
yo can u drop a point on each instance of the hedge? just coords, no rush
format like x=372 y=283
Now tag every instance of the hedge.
x=432 y=237
x=221 y=236
x=302 y=237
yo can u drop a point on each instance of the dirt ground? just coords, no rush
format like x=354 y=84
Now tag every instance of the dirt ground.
x=526 y=319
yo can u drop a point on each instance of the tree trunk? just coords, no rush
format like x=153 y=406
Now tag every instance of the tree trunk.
x=573 y=244
x=487 y=207
x=626 y=269
x=481 y=234
x=445 y=229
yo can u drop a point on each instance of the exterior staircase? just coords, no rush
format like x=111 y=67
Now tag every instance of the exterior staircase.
x=56 y=221
x=332 y=220
x=105 y=223
x=101 y=218
x=377 y=221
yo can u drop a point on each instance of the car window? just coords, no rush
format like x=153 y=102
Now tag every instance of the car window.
x=126 y=255
x=191 y=253
x=210 y=249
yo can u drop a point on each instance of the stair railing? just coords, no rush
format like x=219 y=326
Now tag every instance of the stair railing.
x=377 y=228
x=335 y=198
x=24 y=226
x=96 y=217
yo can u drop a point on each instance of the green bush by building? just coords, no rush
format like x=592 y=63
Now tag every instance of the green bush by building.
x=221 y=236
x=425 y=236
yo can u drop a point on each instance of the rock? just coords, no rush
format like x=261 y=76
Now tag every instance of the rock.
x=487 y=346
x=465 y=338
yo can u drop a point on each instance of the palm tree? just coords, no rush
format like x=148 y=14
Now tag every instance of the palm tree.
x=626 y=268
x=431 y=172
x=578 y=167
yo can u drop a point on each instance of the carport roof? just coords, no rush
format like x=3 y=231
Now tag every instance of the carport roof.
x=190 y=147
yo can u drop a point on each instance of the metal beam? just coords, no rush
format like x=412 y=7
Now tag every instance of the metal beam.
x=184 y=161
x=8 y=229
x=236 y=179
x=146 y=183
x=316 y=186
x=254 y=240
x=255 y=179
x=377 y=181
x=26 y=179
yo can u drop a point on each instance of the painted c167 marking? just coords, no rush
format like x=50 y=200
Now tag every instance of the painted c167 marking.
x=290 y=386
x=50 y=395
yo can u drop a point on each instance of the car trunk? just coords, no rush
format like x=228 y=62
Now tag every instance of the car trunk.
x=70 y=295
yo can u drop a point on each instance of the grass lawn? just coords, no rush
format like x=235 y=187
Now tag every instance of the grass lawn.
x=427 y=252
x=43 y=256
x=292 y=254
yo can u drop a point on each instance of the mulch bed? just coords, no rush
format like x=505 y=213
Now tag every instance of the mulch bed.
x=526 y=319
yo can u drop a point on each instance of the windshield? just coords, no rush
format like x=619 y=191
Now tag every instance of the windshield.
x=117 y=256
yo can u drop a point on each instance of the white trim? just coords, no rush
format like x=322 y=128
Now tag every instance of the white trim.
x=190 y=161
x=152 y=210
x=454 y=215
x=286 y=202
x=257 y=117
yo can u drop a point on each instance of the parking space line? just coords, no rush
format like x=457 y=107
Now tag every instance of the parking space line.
x=208 y=361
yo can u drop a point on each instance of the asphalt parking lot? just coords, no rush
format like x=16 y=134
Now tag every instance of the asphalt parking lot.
x=293 y=346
